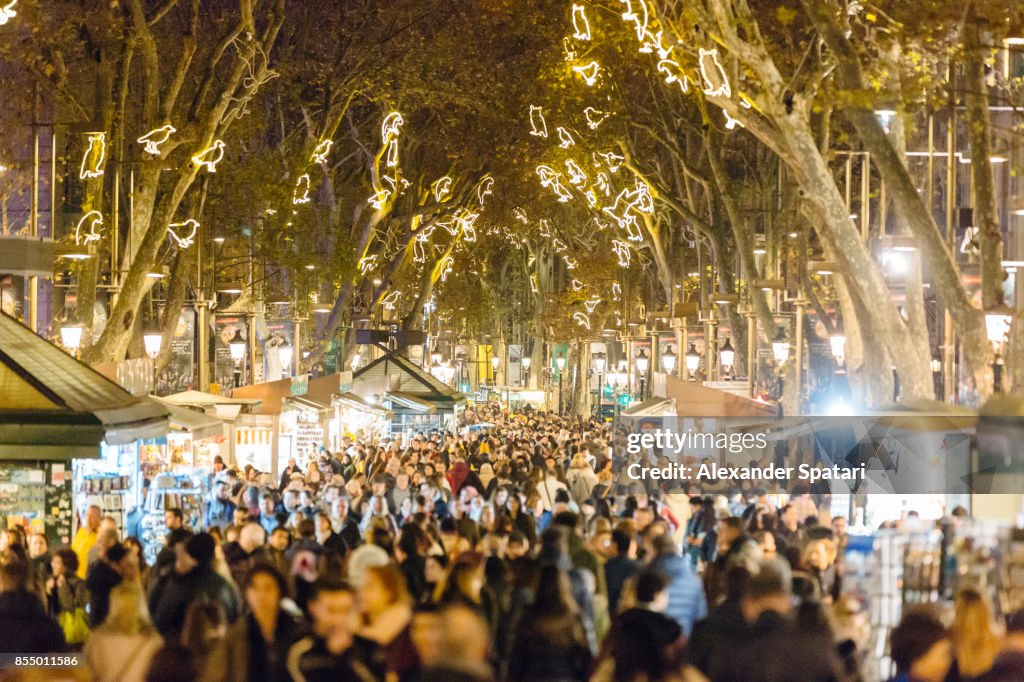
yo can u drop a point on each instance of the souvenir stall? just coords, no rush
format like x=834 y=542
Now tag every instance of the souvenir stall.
x=194 y=439
x=230 y=411
x=418 y=401
x=358 y=418
x=58 y=417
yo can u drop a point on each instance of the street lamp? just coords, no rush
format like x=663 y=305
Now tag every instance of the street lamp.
x=526 y=360
x=668 y=360
x=495 y=361
x=71 y=336
x=237 y=347
x=780 y=347
x=692 y=361
x=997 y=326
x=838 y=343
x=560 y=364
x=642 y=363
x=152 y=339
x=600 y=360
x=435 y=357
x=285 y=354
x=727 y=355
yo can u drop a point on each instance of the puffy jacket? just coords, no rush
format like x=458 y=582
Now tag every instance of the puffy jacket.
x=173 y=594
x=686 y=601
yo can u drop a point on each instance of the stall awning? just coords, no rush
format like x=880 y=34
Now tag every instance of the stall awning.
x=197 y=424
x=300 y=402
x=652 y=407
x=46 y=388
x=411 y=402
x=695 y=400
x=355 y=402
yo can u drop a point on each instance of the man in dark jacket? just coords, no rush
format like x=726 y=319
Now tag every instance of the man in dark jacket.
x=192 y=579
x=26 y=627
x=620 y=567
x=102 y=577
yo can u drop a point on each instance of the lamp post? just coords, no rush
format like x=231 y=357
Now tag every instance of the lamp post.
x=599 y=364
x=560 y=364
x=668 y=360
x=526 y=366
x=937 y=377
x=285 y=354
x=838 y=343
x=642 y=363
x=692 y=361
x=237 y=347
x=495 y=362
x=727 y=355
x=997 y=326
x=71 y=336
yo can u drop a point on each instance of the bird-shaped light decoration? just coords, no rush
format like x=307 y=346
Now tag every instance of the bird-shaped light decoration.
x=445 y=267
x=95 y=154
x=565 y=139
x=210 y=157
x=588 y=71
x=7 y=12
x=367 y=263
x=622 y=252
x=580 y=23
x=612 y=160
x=716 y=83
x=92 y=222
x=576 y=174
x=539 y=127
x=391 y=127
x=483 y=190
x=321 y=152
x=441 y=188
x=183 y=234
x=591 y=305
x=390 y=300
x=301 y=193
x=594 y=117
x=152 y=140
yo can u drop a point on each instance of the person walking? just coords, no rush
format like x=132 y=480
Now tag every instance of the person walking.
x=686 y=601
x=67 y=596
x=122 y=648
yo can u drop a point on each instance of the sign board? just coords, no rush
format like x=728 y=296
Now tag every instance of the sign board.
x=309 y=436
x=345 y=381
x=300 y=384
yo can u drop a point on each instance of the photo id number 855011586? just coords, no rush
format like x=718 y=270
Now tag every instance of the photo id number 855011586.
x=8 y=661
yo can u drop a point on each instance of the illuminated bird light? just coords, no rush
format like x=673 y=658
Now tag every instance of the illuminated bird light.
x=321 y=152
x=576 y=174
x=390 y=300
x=582 y=320
x=520 y=215
x=301 y=193
x=94 y=221
x=591 y=305
x=189 y=228
x=612 y=160
x=671 y=69
x=210 y=157
x=441 y=188
x=716 y=83
x=392 y=155
x=731 y=122
x=565 y=138
x=580 y=23
x=595 y=117
x=152 y=140
x=570 y=54
x=545 y=227
x=588 y=71
x=603 y=184
x=95 y=154
x=622 y=252
x=576 y=285
x=7 y=12
x=570 y=263
x=367 y=263
x=391 y=126
x=446 y=267
x=616 y=291
x=591 y=198
x=483 y=190
x=558 y=245
x=539 y=127
x=549 y=177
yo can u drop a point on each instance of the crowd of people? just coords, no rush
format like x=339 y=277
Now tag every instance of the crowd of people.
x=513 y=549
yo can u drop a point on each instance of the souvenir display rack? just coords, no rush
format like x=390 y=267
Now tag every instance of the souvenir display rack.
x=185 y=491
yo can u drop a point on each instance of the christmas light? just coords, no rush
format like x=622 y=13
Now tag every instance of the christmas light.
x=570 y=54
x=565 y=138
x=391 y=127
x=652 y=43
x=152 y=140
x=390 y=300
x=441 y=188
x=7 y=12
x=465 y=220
x=558 y=245
x=570 y=263
x=321 y=152
x=446 y=267
x=591 y=197
x=632 y=229
x=94 y=221
x=594 y=117
x=175 y=230
x=576 y=174
x=539 y=127
x=670 y=69
x=392 y=156
x=367 y=263
x=533 y=284
x=731 y=122
x=580 y=23
x=622 y=252
x=603 y=184
x=483 y=190
x=95 y=153
x=591 y=305
x=549 y=177
x=588 y=72
x=639 y=198
x=582 y=320
x=379 y=199
x=616 y=291
x=210 y=156
x=576 y=285
x=301 y=193
x=612 y=160
x=545 y=227
x=719 y=87
x=520 y=215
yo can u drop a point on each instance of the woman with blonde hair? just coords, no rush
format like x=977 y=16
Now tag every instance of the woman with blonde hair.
x=121 y=649
x=975 y=641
